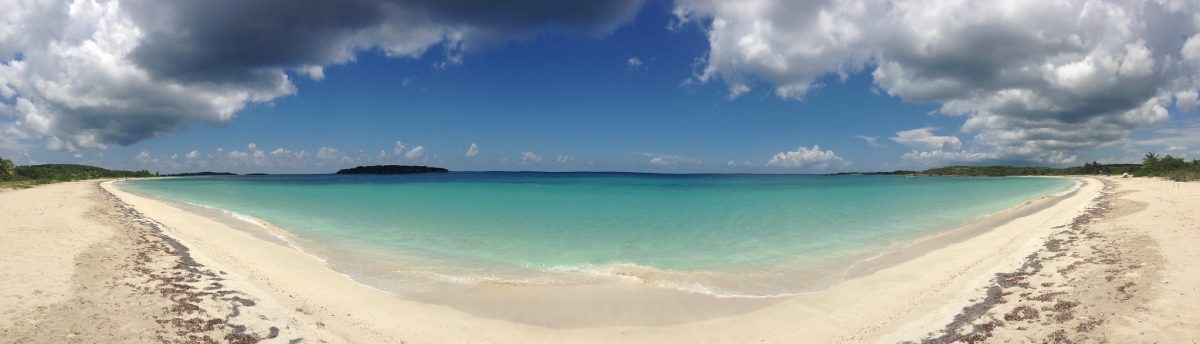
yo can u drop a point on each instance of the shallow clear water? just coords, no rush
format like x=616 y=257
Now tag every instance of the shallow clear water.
x=720 y=234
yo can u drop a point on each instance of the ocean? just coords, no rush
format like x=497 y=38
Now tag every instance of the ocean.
x=749 y=236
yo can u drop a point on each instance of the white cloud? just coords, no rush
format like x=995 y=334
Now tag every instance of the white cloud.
x=669 y=159
x=329 y=154
x=530 y=157
x=416 y=152
x=76 y=86
x=143 y=157
x=805 y=158
x=562 y=159
x=1186 y=101
x=1177 y=138
x=870 y=140
x=940 y=157
x=472 y=150
x=254 y=159
x=1036 y=80
x=634 y=63
x=257 y=153
x=923 y=138
x=398 y=149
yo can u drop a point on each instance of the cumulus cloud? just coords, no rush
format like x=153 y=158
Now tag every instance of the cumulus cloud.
x=252 y=159
x=940 y=157
x=734 y=163
x=416 y=152
x=287 y=153
x=329 y=154
x=472 y=150
x=257 y=153
x=805 y=158
x=925 y=139
x=143 y=157
x=1171 y=139
x=530 y=157
x=1035 y=80
x=1186 y=101
x=398 y=149
x=237 y=154
x=80 y=74
x=669 y=159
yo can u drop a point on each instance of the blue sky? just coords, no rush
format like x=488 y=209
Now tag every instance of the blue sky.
x=635 y=97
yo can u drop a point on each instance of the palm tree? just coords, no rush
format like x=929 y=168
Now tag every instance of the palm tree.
x=1150 y=159
x=7 y=169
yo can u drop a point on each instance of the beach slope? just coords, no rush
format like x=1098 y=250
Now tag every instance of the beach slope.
x=90 y=263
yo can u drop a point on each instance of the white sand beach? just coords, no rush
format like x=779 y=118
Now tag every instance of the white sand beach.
x=87 y=262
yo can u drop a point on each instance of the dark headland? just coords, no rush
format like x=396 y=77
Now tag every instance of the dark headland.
x=392 y=169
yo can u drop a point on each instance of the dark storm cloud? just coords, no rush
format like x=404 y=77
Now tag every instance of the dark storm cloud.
x=93 y=73
x=248 y=41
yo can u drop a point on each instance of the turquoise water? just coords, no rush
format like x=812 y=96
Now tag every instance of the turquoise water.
x=720 y=234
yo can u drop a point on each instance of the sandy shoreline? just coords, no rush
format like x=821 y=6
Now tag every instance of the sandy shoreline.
x=1111 y=263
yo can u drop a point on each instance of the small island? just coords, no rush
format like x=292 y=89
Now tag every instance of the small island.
x=392 y=169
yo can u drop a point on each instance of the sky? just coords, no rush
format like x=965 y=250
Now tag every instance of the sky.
x=685 y=86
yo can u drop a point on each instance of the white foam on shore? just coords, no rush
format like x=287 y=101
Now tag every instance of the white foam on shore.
x=263 y=226
x=243 y=217
x=567 y=275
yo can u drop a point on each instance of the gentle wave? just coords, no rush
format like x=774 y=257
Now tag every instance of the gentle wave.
x=565 y=275
x=265 y=227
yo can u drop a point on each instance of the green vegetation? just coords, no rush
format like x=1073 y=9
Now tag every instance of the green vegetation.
x=392 y=169
x=7 y=169
x=1152 y=165
x=1170 y=167
x=891 y=173
x=12 y=176
x=1093 y=168
x=205 y=173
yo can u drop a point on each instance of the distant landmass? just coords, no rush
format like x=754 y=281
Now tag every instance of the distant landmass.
x=392 y=169
x=892 y=173
x=1091 y=168
x=205 y=173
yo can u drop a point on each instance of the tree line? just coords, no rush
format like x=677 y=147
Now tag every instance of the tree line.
x=1170 y=167
x=40 y=174
x=1152 y=165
